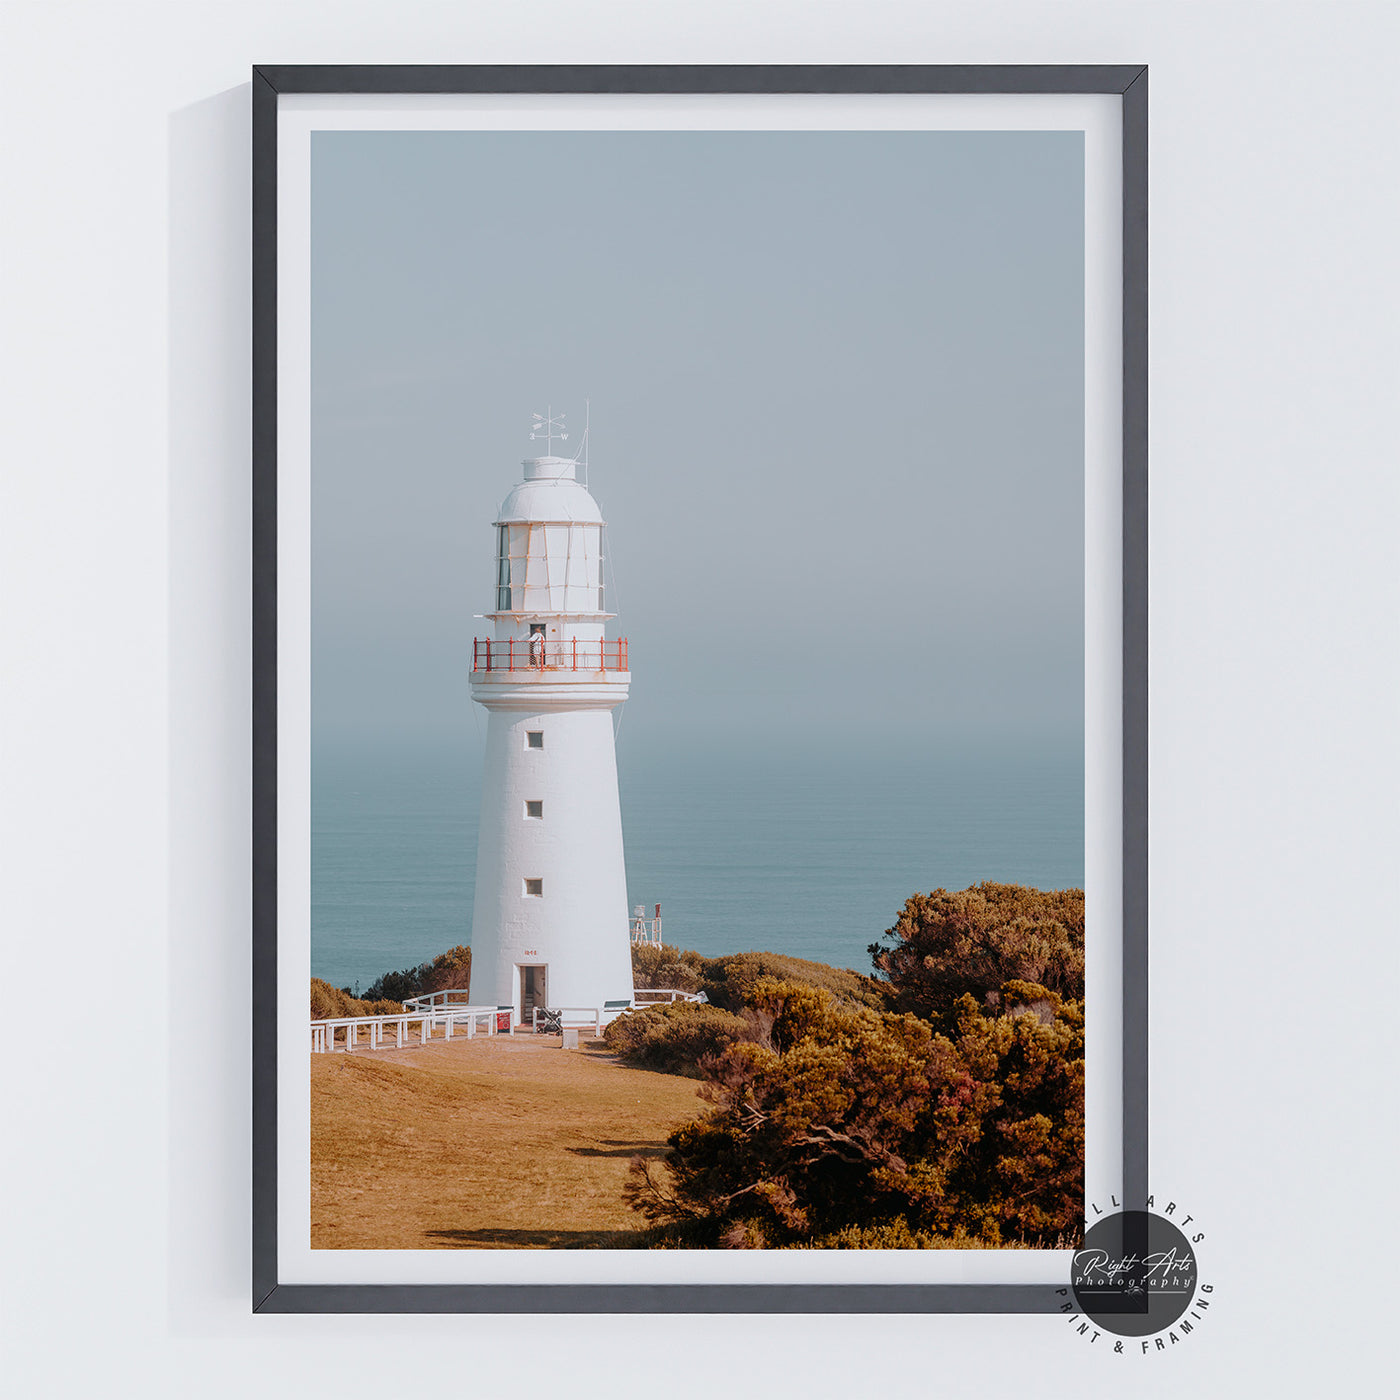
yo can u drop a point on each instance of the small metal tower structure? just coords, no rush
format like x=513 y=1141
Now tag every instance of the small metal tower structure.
x=646 y=933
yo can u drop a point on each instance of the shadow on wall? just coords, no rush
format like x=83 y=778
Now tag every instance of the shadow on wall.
x=210 y=711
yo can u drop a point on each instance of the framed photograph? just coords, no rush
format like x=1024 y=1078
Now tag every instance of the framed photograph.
x=700 y=685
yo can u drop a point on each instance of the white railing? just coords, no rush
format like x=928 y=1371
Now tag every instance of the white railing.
x=434 y=1001
x=447 y=1011
x=324 y=1033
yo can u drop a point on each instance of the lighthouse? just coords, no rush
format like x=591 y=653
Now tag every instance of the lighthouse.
x=550 y=923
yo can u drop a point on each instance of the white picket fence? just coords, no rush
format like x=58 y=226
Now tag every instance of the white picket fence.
x=447 y=1011
x=346 y=1029
x=452 y=998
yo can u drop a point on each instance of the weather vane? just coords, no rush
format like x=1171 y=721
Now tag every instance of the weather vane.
x=548 y=425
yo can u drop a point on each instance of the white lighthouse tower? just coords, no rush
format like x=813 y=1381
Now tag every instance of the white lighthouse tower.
x=550 y=924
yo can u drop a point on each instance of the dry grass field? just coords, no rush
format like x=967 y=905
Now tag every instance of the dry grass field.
x=500 y=1142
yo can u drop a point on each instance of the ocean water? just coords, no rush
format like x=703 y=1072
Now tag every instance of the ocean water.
x=806 y=854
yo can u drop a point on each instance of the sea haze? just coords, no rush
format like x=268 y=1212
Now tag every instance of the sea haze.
x=835 y=389
x=807 y=853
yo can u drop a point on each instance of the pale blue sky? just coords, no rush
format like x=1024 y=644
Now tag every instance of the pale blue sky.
x=837 y=386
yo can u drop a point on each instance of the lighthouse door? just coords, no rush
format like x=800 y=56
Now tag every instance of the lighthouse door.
x=531 y=991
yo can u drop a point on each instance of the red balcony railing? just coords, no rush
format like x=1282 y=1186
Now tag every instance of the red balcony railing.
x=536 y=654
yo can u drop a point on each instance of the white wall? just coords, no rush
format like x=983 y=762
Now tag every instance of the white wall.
x=578 y=928
x=1274 y=671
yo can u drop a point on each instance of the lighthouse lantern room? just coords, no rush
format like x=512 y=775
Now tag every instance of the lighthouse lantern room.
x=550 y=924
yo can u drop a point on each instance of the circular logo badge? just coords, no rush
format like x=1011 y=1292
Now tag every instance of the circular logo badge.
x=1135 y=1274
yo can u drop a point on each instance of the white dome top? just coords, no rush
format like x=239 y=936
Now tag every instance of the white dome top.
x=550 y=492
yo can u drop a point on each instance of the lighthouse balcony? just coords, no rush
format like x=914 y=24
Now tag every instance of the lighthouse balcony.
x=522 y=657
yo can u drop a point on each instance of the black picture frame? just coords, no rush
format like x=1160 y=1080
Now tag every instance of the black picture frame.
x=269 y=83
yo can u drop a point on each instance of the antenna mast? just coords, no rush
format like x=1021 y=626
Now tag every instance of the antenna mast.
x=587 y=405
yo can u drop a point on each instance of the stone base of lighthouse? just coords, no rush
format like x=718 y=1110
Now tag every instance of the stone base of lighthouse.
x=549 y=925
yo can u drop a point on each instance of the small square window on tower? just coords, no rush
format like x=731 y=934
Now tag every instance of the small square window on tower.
x=534 y=809
x=534 y=888
x=534 y=738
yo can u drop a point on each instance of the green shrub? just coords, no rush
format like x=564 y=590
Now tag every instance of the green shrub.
x=849 y=1119
x=896 y=1234
x=328 y=1003
x=728 y=981
x=660 y=965
x=679 y=1036
x=947 y=945
x=448 y=970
